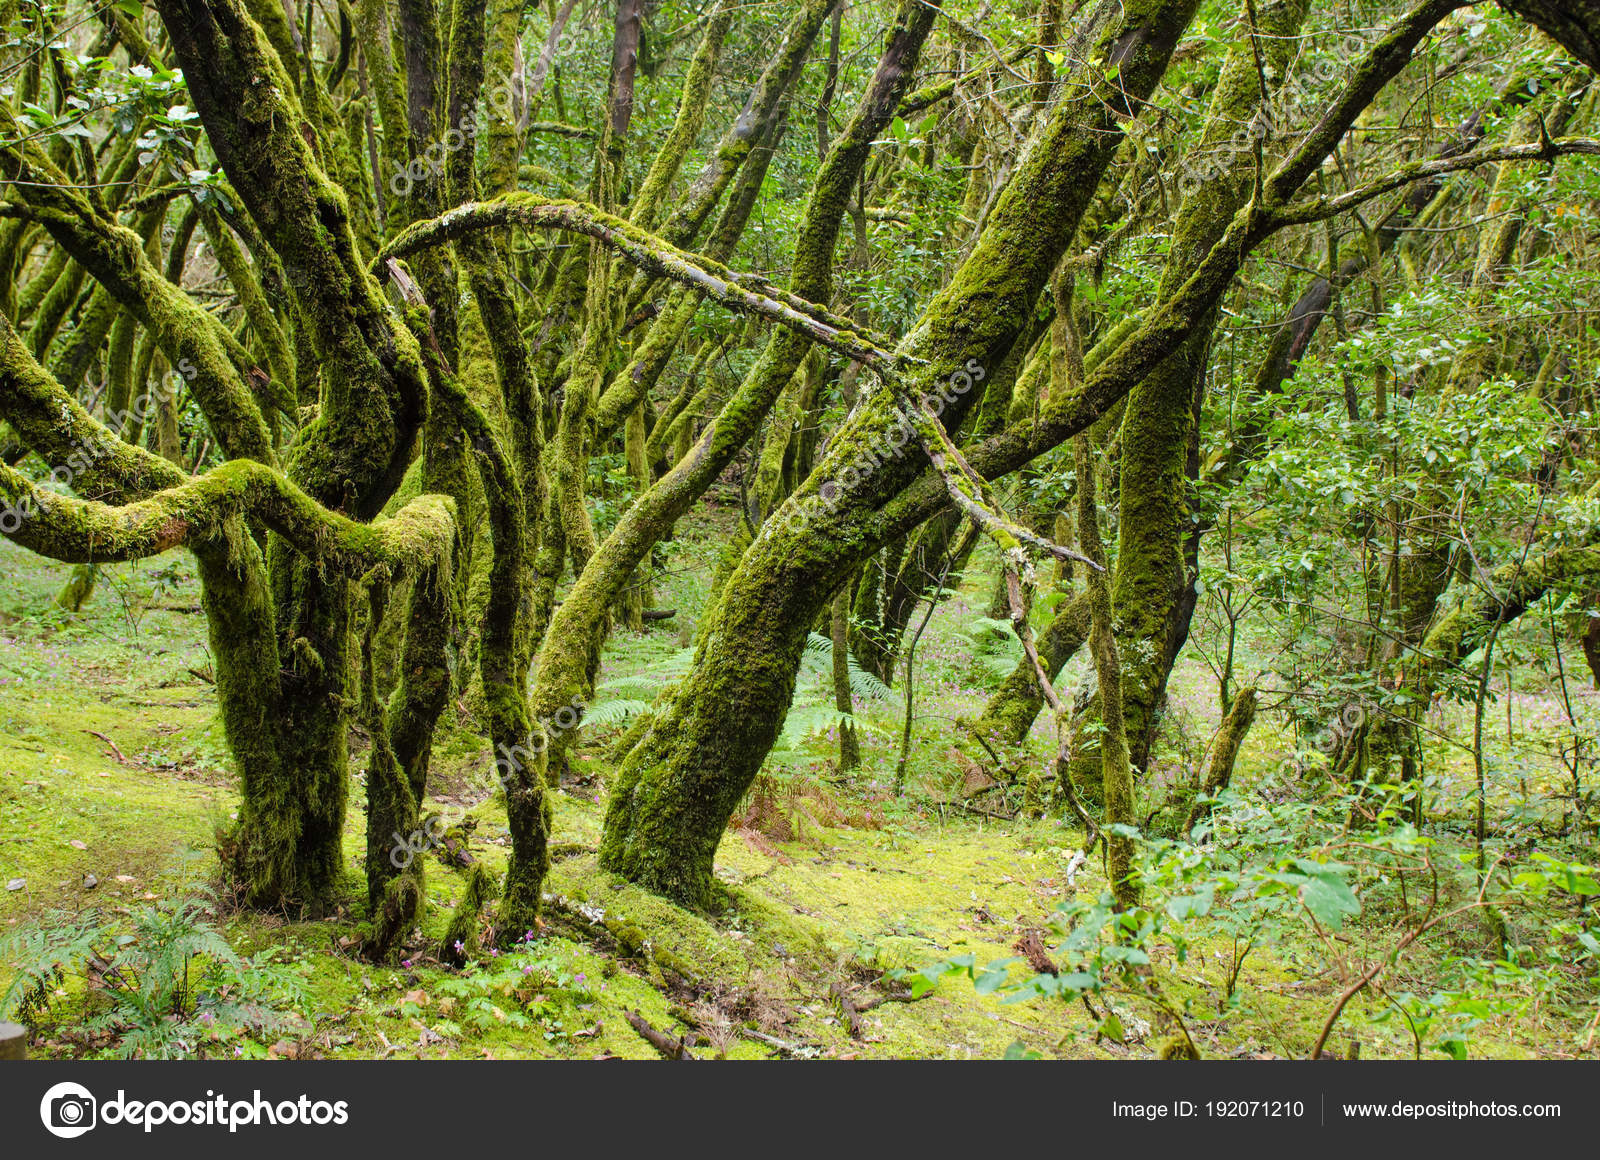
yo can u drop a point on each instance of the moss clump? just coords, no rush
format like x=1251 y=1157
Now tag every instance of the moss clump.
x=460 y=941
x=394 y=917
x=665 y=936
x=1178 y=1047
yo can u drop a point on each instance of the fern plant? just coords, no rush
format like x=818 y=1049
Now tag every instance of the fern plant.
x=518 y=991
x=996 y=650
x=622 y=698
x=864 y=686
x=813 y=711
x=170 y=988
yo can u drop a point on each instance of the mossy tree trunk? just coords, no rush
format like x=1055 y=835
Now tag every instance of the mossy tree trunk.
x=1162 y=416
x=843 y=701
x=679 y=786
x=1224 y=753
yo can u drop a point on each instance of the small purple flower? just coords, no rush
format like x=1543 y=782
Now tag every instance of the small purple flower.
x=459 y=948
x=527 y=968
x=495 y=953
x=581 y=977
x=406 y=963
x=528 y=937
x=237 y=1051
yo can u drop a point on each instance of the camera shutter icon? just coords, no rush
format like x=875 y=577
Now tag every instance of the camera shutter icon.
x=68 y=1110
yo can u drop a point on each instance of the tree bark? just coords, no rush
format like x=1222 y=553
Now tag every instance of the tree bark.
x=678 y=788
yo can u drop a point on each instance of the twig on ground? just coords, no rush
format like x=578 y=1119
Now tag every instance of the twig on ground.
x=669 y=1047
x=121 y=759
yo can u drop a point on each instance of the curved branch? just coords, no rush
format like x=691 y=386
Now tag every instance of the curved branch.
x=77 y=531
x=193 y=340
x=1457 y=633
x=1317 y=209
x=51 y=423
x=741 y=292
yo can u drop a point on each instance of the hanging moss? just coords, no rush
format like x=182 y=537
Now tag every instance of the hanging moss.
x=79 y=587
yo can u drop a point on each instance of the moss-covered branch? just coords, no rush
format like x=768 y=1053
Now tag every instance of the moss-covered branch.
x=691 y=114
x=741 y=292
x=83 y=531
x=754 y=123
x=1508 y=592
x=1115 y=770
x=193 y=340
x=678 y=787
x=374 y=394
x=1547 y=150
x=50 y=422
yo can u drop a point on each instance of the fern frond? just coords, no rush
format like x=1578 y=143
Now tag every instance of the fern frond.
x=611 y=712
x=638 y=686
x=867 y=686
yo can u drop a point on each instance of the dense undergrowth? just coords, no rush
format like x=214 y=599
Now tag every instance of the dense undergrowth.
x=853 y=922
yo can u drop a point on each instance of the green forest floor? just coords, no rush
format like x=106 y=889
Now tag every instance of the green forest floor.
x=114 y=777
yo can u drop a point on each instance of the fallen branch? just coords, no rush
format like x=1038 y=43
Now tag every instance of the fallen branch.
x=1031 y=944
x=669 y=1047
x=852 y=1017
x=971 y=809
x=905 y=996
x=121 y=759
x=967 y=727
x=772 y=1041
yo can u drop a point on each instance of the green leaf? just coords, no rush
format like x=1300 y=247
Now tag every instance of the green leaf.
x=992 y=977
x=1192 y=905
x=1329 y=898
x=1077 y=981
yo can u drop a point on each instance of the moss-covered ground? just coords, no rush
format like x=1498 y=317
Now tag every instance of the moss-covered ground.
x=114 y=776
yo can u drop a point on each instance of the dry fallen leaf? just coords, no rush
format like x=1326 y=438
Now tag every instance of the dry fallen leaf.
x=77 y=845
